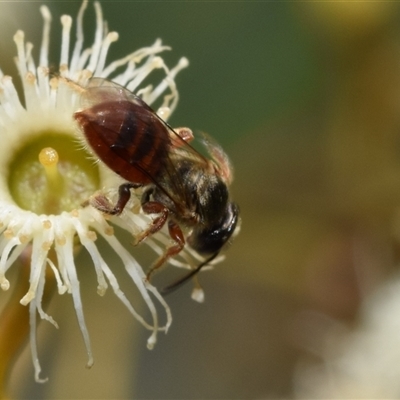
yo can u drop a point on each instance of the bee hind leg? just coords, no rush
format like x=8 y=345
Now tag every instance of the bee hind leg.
x=175 y=232
x=101 y=202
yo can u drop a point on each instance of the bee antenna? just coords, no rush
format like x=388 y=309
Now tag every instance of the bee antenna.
x=171 y=288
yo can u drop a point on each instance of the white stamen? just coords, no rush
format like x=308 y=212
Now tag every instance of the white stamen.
x=38 y=262
x=40 y=249
x=33 y=342
x=198 y=294
x=110 y=38
x=21 y=60
x=91 y=248
x=79 y=38
x=43 y=81
x=9 y=98
x=44 y=48
x=138 y=276
x=10 y=244
x=66 y=21
x=98 y=38
x=62 y=228
x=31 y=91
x=30 y=62
x=168 y=81
x=84 y=59
x=61 y=287
x=17 y=251
x=135 y=58
x=4 y=283
x=118 y=292
x=142 y=72
x=38 y=300
x=69 y=265
x=164 y=112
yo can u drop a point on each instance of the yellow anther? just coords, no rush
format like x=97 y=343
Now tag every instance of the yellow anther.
x=47 y=224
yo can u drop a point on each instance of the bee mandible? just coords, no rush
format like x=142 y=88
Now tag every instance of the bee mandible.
x=184 y=188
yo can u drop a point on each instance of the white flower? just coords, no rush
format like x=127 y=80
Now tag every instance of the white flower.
x=35 y=212
x=358 y=363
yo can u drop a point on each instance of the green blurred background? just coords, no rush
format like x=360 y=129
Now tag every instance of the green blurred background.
x=305 y=98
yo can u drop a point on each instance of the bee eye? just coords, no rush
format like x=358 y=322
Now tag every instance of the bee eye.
x=211 y=240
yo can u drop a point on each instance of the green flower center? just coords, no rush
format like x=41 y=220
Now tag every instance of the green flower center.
x=52 y=174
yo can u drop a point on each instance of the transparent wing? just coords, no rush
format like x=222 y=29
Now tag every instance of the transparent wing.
x=145 y=147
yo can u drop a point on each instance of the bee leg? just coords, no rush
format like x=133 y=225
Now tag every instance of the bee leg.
x=176 y=235
x=101 y=202
x=180 y=135
x=153 y=207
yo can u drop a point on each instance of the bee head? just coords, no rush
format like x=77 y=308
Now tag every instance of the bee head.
x=208 y=240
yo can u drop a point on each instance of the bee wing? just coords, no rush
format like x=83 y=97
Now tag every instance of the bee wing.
x=220 y=158
x=100 y=90
x=170 y=181
x=144 y=147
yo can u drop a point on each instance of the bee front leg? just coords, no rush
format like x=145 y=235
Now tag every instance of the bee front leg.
x=176 y=235
x=179 y=136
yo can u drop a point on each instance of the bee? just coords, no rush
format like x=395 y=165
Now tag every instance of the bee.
x=182 y=187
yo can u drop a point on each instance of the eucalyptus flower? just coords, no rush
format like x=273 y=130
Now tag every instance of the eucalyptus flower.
x=360 y=362
x=46 y=174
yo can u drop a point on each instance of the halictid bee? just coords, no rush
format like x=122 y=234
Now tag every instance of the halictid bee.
x=183 y=187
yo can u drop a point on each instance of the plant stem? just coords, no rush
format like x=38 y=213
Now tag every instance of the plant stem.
x=14 y=319
x=14 y=327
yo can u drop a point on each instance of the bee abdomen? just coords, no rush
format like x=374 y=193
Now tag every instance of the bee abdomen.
x=130 y=140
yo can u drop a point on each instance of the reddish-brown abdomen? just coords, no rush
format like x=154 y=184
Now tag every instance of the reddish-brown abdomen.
x=130 y=139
